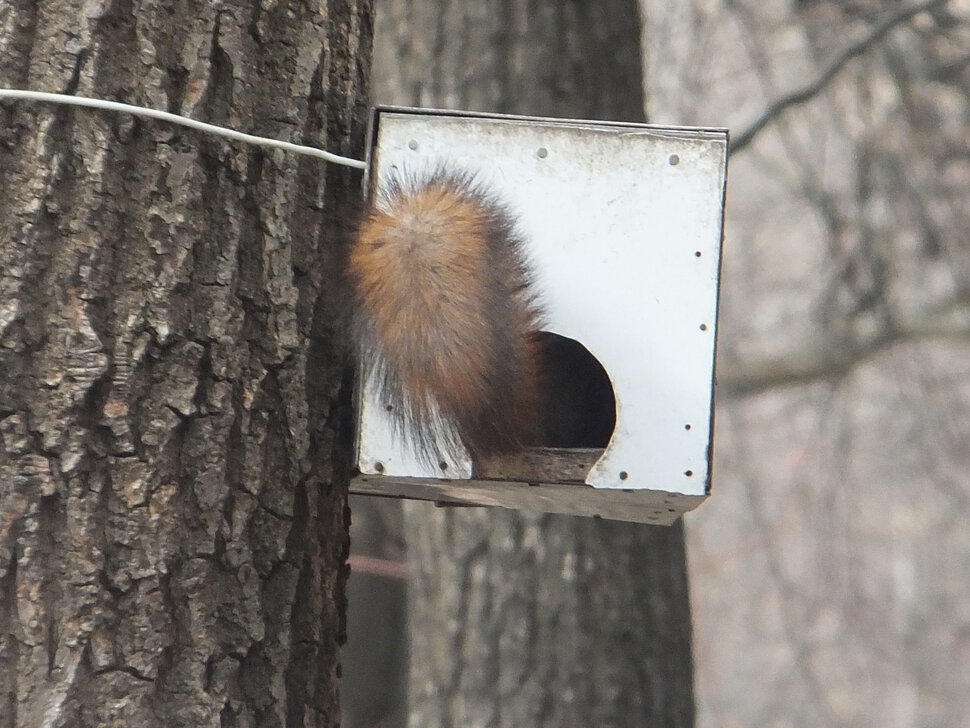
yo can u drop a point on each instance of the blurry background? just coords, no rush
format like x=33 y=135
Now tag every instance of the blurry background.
x=829 y=570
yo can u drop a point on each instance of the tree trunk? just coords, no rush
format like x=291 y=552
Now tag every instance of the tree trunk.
x=521 y=619
x=174 y=444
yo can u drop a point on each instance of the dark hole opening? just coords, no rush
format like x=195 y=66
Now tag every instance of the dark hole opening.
x=577 y=404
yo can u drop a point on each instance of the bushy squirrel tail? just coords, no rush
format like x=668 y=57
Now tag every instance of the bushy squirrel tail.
x=444 y=313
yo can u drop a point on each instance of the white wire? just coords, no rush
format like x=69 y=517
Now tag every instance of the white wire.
x=10 y=93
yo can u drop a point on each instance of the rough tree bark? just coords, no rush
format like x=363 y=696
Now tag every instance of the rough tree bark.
x=172 y=422
x=516 y=619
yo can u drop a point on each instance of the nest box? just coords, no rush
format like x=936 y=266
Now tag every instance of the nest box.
x=623 y=226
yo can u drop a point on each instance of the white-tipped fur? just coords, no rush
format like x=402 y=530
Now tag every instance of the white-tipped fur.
x=444 y=316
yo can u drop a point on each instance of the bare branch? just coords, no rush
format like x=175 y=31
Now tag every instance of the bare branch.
x=826 y=360
x=798 y=366
x=836 y=64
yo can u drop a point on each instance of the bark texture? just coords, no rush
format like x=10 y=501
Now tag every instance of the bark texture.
x=523 y=619
x=172 y=422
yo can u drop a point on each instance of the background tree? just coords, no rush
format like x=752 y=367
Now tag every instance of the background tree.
x=535 y=619
x=174 y=453
x=829 y=568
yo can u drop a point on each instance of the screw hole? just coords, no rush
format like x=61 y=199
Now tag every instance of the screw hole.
x=624 y=475
x=688 y=473
x=674 y=160
x=379 y=467
x=703 y=327
x=686 y=427
x=542 y=152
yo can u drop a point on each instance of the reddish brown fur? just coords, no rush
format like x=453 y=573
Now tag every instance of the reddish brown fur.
x=444 y=313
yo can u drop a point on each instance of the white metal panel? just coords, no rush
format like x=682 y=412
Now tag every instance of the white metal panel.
x=623 y=226
x=380 y=450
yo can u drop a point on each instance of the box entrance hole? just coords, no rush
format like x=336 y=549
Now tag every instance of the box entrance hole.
x=577 y=403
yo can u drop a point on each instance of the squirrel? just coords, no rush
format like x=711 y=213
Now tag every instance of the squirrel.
x=445 y=315
x=446 y=318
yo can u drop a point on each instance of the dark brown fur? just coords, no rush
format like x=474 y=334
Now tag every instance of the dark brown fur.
x=444 y=313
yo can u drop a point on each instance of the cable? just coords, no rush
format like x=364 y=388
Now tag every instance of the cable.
x=9 y=93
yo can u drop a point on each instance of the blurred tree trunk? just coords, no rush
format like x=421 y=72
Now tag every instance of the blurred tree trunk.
x=173 y=447
x=375 y=660
x=517 y=619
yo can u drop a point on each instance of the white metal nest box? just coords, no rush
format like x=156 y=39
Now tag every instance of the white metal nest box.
x=622 y=226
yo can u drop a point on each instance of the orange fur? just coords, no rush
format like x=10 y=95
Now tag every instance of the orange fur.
x=444 y=314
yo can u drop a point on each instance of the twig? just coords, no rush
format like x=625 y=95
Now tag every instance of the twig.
x=891 y=20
